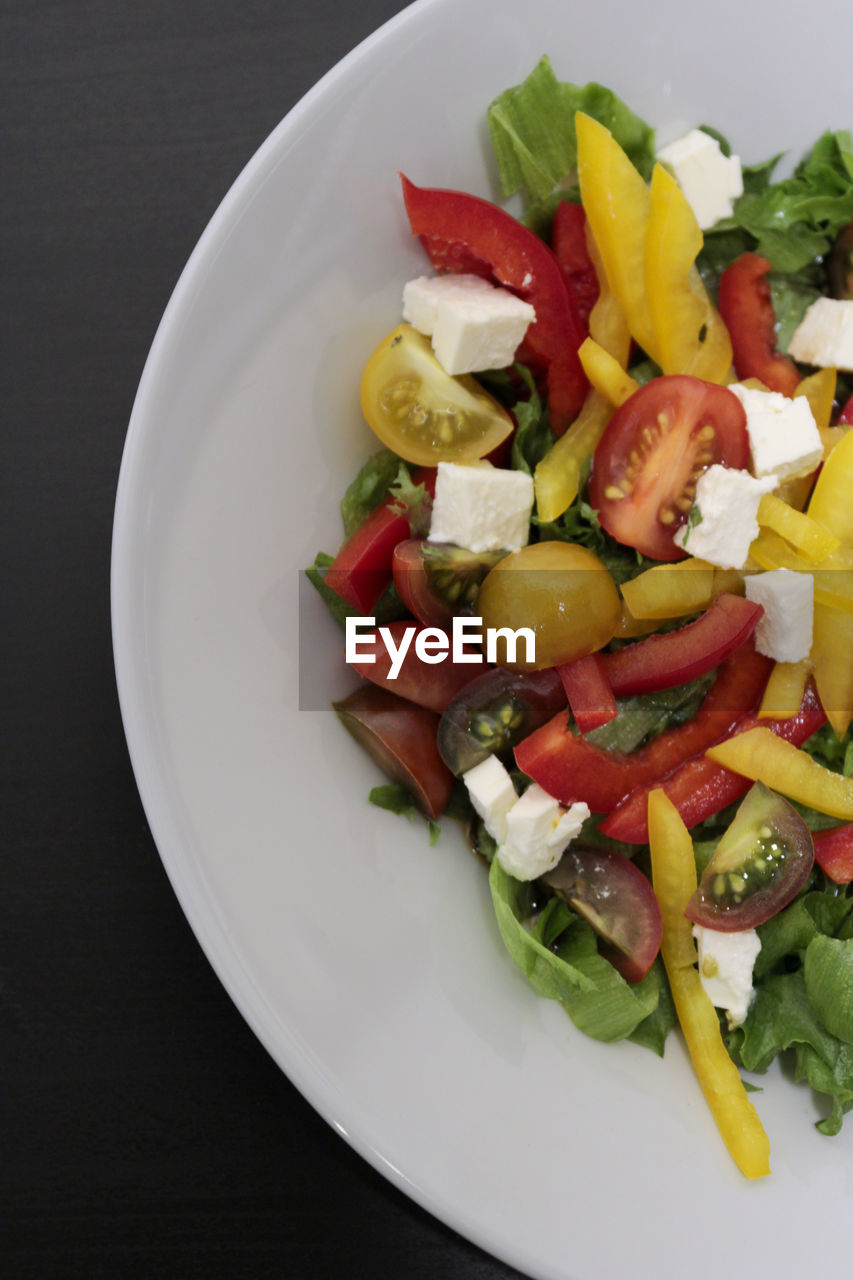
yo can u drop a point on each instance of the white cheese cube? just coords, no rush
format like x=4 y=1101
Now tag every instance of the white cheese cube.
x=785 y=631
x=538 y=831
x=824 y=336
x=481 y=507
x=492 y=795
x=726 y=961
x=722 y=521
x=710 y=181
x=783 y=437
x=473 y=325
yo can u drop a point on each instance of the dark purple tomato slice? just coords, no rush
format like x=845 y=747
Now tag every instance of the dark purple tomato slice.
x=494 y=712
x=617 y=900
x=430 y=684
x=759 y=866
x=436 y=580
x=401 y=738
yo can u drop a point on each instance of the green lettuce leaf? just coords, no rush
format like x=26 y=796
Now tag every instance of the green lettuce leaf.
x=828 y=973
x=558 y=954
x=388 y=607
x=369 y=487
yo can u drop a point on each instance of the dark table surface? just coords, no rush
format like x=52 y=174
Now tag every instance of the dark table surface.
x=145 y=1132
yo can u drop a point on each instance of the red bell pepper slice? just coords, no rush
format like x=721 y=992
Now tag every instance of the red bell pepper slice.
x=361 y=570
x=675 y=657
x=568 y=240
x=588 y=690
x=463 y=232
x=700 y=787
x=571 y=768
x=833 y=851
x=747 y=310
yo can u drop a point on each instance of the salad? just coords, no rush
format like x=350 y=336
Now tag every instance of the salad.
x=596 y=580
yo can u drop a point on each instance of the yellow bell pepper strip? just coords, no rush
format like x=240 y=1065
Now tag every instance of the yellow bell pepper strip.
x=630 y=628
x=783 y=694
x=556 y=479
x=830 y=503
x=689 y=334
x=674 y=881
x=761 y=755
x=607 y=324
x=833 y=576
x=819 y=390
x=605 y=373
x=616 y=201
x=832 y=659
x=830 y=437
x=805 y=533
x=670 y=590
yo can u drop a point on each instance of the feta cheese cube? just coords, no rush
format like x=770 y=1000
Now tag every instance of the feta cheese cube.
x=722 y=521
x=481 y=507
x=492 y=795
x=538 y=831
x=473 y=325
x=783 y=437
x=785 y=631
x=726 y=961
x=824 y=336
x=710 y=181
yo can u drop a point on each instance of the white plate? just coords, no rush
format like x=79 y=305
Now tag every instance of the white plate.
x=367 y=962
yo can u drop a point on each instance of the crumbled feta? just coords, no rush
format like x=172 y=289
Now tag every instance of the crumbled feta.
x=492 y=795
x=538 y=831
x=726 y=961
x=473 y=325
x=824 y=336
x=481 y=507
x=785 y=631
x=783 y=437
x=710 y=181
x=722 y=521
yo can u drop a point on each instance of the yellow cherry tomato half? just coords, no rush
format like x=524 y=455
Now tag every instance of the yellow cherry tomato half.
x=560 y=591
x=420 y=411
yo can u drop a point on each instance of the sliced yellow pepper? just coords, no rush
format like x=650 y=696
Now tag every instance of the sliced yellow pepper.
x=674 y=880
x=556 y=480
x=830 y=501
x=607 y=324
x=783 y=695
x=832 y=659
x=802 y=531
x=763 y=756
x=689 y=333
x=833 y=576
x=670 y=590
x=605 y=373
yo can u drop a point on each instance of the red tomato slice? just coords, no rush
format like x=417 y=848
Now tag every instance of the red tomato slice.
x=568 y=240
x=361 y=570
x=676 y=657
x=589 y=691
x=571 y=768
x=401 y=738
x=845 y=417
x=700 y=787
x=653 y=450
x=833 y=851
x=747 y=310
x=461 y=232
x=432 y=685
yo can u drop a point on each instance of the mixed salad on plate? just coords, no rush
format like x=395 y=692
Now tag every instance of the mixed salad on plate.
x=597 y=580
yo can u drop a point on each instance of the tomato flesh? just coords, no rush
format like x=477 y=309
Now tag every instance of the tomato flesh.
x=494 y=712
x=437 y=581
x=652 y=453
x=833 y=851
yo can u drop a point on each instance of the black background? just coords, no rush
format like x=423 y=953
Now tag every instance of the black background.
x=145 y=1132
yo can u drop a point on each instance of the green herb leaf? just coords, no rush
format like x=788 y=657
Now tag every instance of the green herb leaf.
x=369 y=488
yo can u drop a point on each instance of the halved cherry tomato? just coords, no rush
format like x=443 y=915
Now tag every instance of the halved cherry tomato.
x=401 y=738
x=617 y=900
x=699 y=787
x=760 y=865
x=571 y=768
x=589 y=692
x=833 y=851
x=463 y=232
x=431 y=685
x=676 y=657
x=747 y=309
x=652 y=452
x=436 y=580
x=494 y=712
x=420 y=411
x=568 y=240
x=361 y=570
